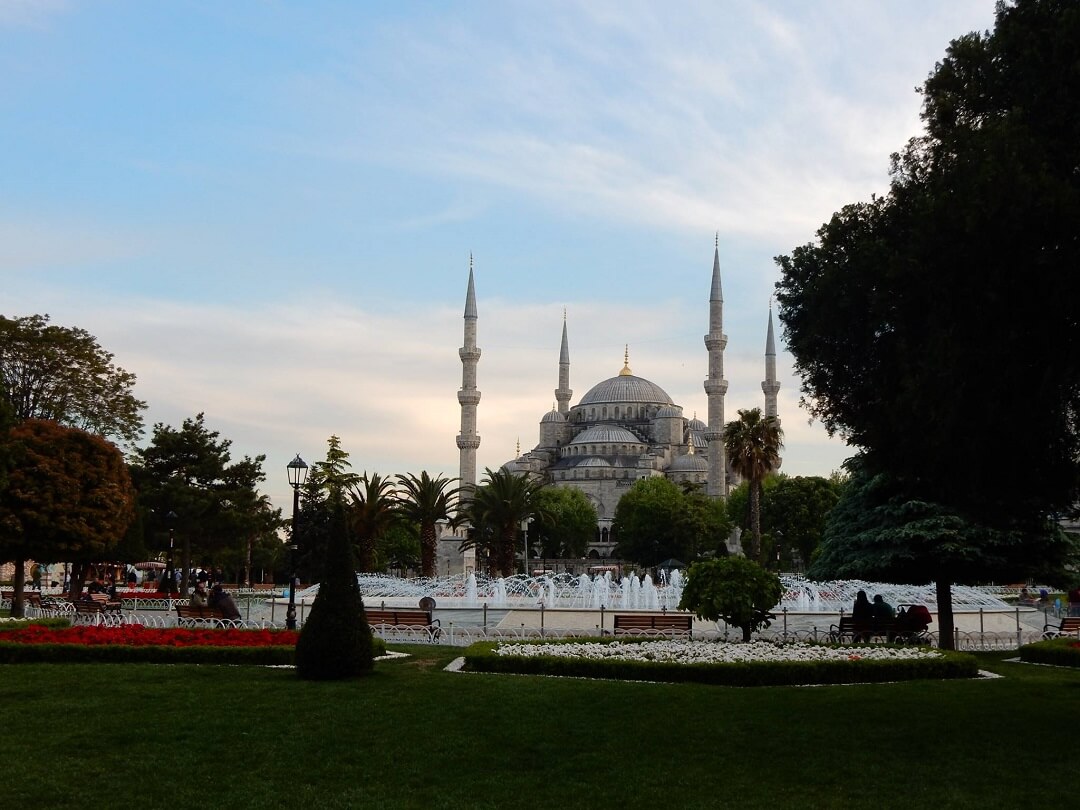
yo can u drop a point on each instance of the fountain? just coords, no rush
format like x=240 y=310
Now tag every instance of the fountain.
x=584 y=592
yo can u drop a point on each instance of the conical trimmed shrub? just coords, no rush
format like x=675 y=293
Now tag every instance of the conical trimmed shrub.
x=335 y=641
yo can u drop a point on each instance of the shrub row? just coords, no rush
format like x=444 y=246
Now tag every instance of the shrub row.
x=481 y=657
x=1064 y=652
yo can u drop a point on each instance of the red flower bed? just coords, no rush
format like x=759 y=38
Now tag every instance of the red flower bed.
x=135 y=635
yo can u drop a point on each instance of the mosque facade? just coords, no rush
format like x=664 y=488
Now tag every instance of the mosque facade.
x=623 y=429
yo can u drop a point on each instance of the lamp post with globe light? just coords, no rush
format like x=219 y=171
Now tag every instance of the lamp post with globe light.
x=297 y=478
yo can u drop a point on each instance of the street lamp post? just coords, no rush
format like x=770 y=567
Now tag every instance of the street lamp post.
x=170 y=585
x=297 y=478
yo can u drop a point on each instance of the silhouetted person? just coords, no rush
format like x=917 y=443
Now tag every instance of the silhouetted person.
x=863 y=615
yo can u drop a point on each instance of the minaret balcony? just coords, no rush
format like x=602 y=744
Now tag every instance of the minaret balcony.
x=468 y=397
x=715 y=387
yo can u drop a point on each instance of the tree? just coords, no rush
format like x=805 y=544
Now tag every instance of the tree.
x=399 y=549
x=427 y=501
x=923 y=323
x=372 y=511
x=62 y=374
x=734 y=590
x=68 y=497
x=655 y=520
x=335 y=641
x=497 y=509
x=794 y=511
x=752 y=443
x=190 y=473
x=570 y=523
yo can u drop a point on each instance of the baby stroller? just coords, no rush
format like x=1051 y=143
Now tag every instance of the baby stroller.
x=911 y=624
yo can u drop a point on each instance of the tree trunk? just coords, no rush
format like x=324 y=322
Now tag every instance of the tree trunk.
x=755 y=520
x=946 y=637
x=365 y=555
x=746 y=631
x=506 y=551
x=78 y=576
x=247 y=564
x=427 y=550
x=185 y=567
x=17 y=597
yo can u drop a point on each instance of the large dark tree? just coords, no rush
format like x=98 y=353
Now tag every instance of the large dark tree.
x=936 y=328
x=793 y=515
x=62 y=374
x=68 y=497
x=190 y=472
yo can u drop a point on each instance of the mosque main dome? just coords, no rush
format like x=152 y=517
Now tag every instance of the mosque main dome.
x=626 y=388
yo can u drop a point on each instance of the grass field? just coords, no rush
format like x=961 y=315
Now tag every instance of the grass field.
x=412 y=735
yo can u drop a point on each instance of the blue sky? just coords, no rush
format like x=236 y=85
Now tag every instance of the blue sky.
x=265 y=210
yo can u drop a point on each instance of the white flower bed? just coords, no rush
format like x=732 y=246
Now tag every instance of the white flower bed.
x=709 y=652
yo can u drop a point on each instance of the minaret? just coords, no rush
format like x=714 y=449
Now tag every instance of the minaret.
x=769 y=386
x=716 y=385
x=563 y=392
x=468 y=396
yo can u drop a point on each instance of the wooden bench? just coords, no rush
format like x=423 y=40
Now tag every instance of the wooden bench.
x=192 y=613
x=95 y=605
x=1069 y=626
x=882 y=629
x=653 y=623
x=404 y=618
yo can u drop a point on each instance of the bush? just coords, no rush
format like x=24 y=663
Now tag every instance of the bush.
x=734 y=590
x=335 y=641
x=481 y=657
x=1063 y=652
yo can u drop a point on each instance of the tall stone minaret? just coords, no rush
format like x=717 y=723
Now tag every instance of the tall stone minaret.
x=467 y=440
x=716 y=385
x=563 y=392
x=769 y=386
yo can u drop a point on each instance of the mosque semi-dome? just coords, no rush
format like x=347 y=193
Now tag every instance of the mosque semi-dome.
x=691 y=462
x=606 y=434
x=552 y=416
x=626 y=388
x=697 y=425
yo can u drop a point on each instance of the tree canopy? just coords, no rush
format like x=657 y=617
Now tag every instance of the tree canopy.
x=497 y=509
x=935 y=328
x=655 y=520
x=68 y=496
x=190 y=472
x=569 y=524
x=426 y=501
x=62 y=374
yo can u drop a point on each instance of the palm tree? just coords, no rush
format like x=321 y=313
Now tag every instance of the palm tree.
x=499 y=506
x=752 y=444
x=372 y=511
x=426 y=501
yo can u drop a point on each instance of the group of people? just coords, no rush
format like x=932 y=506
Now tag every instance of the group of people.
x=907 y=622
x=217 y=597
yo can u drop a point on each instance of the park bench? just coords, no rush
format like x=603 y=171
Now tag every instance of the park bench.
x=190 y=614
x=96 y=604
x=881 y=629
x=636 y=624
x=411 y=619
x=1069 y=626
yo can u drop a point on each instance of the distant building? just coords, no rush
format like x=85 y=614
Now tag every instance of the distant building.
x=623 y=429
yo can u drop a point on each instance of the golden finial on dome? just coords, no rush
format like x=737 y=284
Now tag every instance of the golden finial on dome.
x=690 y=448
x=517 y=451
x=626 y=372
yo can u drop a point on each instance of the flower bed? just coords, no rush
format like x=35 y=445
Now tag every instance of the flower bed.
x=756 y=664
x=55 y=640
x=1064 y=652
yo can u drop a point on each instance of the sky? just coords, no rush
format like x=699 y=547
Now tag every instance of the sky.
x=266 y=210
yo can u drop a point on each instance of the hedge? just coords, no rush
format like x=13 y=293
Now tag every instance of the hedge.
x=1063 y=652
x=481 y=657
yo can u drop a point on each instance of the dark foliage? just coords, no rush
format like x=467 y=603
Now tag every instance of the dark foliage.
x=335 y=641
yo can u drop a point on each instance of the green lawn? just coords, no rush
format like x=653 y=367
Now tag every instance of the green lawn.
x=412 y=735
